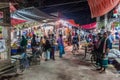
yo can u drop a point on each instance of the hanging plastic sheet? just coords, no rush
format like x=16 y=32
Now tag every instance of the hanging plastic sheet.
x=89 y=26
x=15 y=21
x=101 y=7
x=72 y=23
x=31 y=14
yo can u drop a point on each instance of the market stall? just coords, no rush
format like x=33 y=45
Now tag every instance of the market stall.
x=89 y=26
x=34 y=16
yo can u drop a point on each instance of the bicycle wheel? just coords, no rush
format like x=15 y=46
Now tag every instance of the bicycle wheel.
x=36 y=59
x=33 y=60
x=22 y=65
x=73 y=52
x=74 y=49
x=38 y=56
x=94 y=59
x=19 y=67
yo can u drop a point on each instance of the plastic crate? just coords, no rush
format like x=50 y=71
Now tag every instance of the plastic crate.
x=13 y=51
x=29 y=46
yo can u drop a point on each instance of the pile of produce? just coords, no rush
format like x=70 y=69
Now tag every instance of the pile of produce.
x=14 y=45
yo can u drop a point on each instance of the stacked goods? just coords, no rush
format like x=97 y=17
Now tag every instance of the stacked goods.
x=14 y=46
x=29 y=44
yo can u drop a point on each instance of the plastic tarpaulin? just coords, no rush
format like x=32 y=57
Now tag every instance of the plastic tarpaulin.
x=15 y=22
x=72 y=22
x=89 y=26
x=101 y=7
x=30 y=14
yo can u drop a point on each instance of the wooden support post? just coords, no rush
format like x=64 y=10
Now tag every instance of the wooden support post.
x=7 y=30
x=6 y=34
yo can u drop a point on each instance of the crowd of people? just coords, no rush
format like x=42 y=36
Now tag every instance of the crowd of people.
x=102 y=43
x=48 y=43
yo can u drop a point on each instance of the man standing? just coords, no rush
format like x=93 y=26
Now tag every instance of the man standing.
x=33 y=43
x=23 y=43
x=52 y=52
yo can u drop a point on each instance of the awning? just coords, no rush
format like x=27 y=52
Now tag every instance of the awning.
x=31 y=14
x=101 y=7
x=72 y=23
x=15 y=22
x=89 y=26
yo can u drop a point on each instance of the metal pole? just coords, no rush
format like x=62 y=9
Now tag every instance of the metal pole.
x=98 y=23
x=106 y=21
x=119 y=38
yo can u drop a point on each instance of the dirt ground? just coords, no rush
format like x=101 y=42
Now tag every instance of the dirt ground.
x=67 y=68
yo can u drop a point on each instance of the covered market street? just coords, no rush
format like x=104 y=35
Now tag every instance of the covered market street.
x=59 y=39
x=67 y=68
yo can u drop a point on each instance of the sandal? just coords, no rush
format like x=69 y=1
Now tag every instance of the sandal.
x=102 y=71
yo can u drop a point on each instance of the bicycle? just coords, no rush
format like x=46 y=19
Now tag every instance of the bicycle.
x=36 y=56
x=92 y=54
x=94 y=58
x=20 y=63
x=75 y=49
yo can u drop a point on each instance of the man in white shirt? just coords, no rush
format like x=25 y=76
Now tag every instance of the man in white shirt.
x=38 y=40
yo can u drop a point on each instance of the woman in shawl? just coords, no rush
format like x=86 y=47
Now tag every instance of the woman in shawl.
x=103 y=49
x=61 y=46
